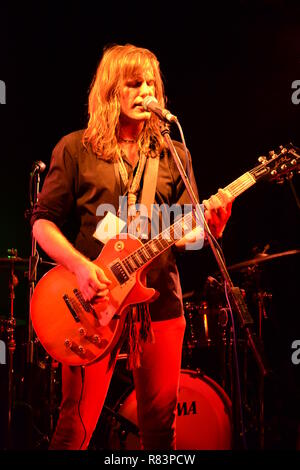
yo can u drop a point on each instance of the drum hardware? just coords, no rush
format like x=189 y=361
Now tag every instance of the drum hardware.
x=252 y=271
x=261 y=296
x=202 y=336
x=9 y=325
x=36 y=363
x=252 y=384
x=224 y=349
x=206 y=339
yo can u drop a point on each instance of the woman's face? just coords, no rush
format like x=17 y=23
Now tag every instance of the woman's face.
x=133 y=92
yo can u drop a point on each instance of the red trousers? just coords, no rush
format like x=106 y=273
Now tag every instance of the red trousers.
x=156 y=382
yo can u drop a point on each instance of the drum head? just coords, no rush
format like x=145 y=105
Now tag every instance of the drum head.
x=203 y=416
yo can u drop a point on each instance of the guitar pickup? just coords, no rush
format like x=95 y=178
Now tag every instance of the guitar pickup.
x=71 y=308
x=86 y=305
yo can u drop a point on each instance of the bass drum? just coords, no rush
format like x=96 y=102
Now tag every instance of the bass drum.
x=203 y=416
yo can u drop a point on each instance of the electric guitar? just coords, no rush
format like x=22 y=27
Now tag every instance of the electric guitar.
x=76 y=332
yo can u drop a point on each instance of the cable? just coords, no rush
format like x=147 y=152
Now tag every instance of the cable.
x=82 y=370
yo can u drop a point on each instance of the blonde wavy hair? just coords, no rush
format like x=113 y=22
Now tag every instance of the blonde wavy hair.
x=118 y=63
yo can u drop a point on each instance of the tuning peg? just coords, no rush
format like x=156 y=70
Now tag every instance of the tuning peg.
x=283 y=167
x=262 y=159
x=274 y=172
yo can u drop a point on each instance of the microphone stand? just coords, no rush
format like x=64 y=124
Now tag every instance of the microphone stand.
x=38 y=168
x=235 y=294
x=31 y=355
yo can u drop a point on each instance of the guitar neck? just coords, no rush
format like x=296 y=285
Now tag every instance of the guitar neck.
x=241 y=184
x=154 y=247
x=158 y=244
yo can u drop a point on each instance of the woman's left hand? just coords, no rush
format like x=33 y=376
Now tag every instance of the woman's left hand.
x=217 y=210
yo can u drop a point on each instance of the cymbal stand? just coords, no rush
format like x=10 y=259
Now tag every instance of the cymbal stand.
x=260 y=297
x=253 y=277
x=11 y=343
x=37 y=169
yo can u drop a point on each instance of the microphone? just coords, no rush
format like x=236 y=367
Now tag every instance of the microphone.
x=38 y=166
x=151 y=104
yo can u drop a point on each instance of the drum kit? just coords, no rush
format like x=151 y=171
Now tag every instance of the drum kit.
x=206 y=390
x=25 y=380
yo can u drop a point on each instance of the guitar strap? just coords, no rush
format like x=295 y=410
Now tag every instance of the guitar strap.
x=150 y=182
x=139 y=321
x=148 y=191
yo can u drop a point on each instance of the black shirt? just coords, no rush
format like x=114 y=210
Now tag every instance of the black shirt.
x=78 y=182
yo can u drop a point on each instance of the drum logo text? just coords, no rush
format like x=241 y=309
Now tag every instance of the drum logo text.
x=185 y=409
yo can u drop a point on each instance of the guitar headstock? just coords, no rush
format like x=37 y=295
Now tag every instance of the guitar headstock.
x=279 y=166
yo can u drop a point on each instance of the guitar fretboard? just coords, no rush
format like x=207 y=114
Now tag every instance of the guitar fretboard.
x=160 y=243
x=241 y=184
x=154 y=247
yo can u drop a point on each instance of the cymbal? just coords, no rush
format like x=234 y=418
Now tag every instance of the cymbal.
x=188 y=295
x=261 y=258
x=19 y=321
x=17 y=262
x=22 y=263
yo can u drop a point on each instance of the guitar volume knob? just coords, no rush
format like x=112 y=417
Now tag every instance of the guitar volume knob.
x=81 y=349
x=68 y=343
x=96 y=339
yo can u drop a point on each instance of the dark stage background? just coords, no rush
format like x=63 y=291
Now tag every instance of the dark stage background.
x=229 y=69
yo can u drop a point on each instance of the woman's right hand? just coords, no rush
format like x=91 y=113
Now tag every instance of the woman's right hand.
x=92 y=281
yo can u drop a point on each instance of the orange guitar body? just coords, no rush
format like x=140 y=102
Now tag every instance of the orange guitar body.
x=78 y=333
